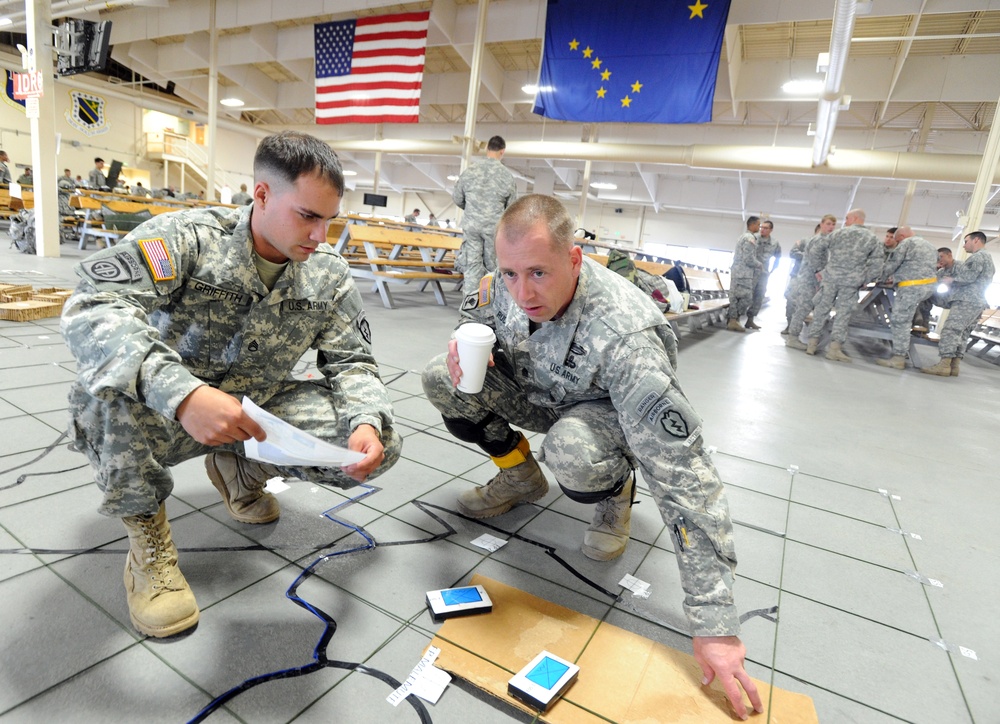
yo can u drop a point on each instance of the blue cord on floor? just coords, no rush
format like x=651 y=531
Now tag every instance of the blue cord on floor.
x=330 y=627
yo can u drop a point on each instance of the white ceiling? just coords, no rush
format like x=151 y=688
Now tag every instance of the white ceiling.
x=936 y=95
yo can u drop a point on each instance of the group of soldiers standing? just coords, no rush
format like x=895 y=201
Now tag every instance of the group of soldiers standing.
x=829 y=268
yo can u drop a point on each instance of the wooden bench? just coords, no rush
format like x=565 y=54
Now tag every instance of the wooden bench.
x=986 y=333
x=393 y=256
x=92 y=206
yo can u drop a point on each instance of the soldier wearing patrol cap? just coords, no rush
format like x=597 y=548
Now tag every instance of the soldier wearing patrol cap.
x=585 y=356
x=190 y=312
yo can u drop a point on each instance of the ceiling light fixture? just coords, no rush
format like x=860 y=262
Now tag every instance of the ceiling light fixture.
x=232 y=102
x=531 y=89
x=603 y=185
x=4 y=22
x=803 y=87
x=453 y=177
x=349 y=172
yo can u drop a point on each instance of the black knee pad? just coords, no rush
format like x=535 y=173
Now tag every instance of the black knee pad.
x=468 y=431
x=596 y=497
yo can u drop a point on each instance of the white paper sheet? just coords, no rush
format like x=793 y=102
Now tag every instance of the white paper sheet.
x=287 y=445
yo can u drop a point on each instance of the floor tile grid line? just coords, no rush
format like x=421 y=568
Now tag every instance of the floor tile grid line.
x=781 y=579
x=806 y=473
x=934 y=618
x=782 y=592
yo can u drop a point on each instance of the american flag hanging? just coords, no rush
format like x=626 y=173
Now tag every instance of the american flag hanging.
x=370 y=70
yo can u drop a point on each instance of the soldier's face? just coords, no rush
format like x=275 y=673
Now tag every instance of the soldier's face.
x=826 y=226
x=765 y=230
x=289 y=221
x=944 y=260
x=540 y=277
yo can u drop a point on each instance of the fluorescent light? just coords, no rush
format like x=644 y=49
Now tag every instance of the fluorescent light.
x=453 y=177
x=4 y=22
x=232 y=102
x=803 y=87
x=531 y=89
x=603 y=185
x=349 y=172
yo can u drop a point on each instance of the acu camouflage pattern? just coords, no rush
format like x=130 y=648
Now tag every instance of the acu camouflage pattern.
x=767 y=249
x=804 y=285
x=971 y=278
x=744 y=270
x=483 y=191
x=912 y=259
x=142 y=346
x=854 y=258
x=600 y=382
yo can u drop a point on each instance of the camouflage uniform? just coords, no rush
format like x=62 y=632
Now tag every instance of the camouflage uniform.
x=5 y=177
x=142 y=345
x=241 y=198
x=744 y=270
x=804 y=285
x=484 y=190
x=600 y=382
x=767 y=249
x=796 y=254
x=911 y=267
x=855 y=258
x=968 y=300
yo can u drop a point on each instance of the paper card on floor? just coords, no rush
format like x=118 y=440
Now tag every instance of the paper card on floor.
x=489 y=542
x=287 y=445
x=623 y=677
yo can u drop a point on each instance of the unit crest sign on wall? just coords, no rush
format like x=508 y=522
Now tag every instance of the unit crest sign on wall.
x=87 y=113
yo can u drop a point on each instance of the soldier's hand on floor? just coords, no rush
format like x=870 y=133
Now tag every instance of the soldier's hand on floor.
x=722 y=657
x=213 y=418
x=365 y=439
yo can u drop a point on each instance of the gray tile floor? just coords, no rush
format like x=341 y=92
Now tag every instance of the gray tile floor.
x=858 y=616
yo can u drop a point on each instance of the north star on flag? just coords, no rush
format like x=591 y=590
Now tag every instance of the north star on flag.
x=370 y=70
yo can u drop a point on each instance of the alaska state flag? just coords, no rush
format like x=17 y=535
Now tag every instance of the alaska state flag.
x=642 y=61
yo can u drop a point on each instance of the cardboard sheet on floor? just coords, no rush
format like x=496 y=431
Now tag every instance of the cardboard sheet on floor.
x=623 y=676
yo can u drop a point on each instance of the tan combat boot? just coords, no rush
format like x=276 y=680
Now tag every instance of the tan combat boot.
x=836 y=353
x=955 y=362
x=160 y=602
x=607 y=536
x=241 y=483
x=813 y=345
x=942 y=368
x=520 y=480
x=793 y=341
x=735 y=326
x=897 y=362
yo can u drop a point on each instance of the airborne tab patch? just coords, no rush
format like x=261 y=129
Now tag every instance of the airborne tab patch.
x=158 y=260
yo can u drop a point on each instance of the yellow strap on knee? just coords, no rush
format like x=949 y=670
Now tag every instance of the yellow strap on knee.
x=515 y=457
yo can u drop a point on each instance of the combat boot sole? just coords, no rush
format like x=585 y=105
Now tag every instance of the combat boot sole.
x=166 y=630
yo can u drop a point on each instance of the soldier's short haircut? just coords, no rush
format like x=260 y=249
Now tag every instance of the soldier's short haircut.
x=816 y=230
x=978 y=236
x=291 y=154
x=752 y=220
x=496 y=144
x=768 y=222
x=891 y=230
x=528 y=210
x=945 y=250
x=831 y=217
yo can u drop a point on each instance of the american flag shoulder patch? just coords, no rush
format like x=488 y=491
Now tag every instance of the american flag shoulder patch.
x=158 y=260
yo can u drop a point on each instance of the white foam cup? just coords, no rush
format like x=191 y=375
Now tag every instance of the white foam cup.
x=475 y=342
